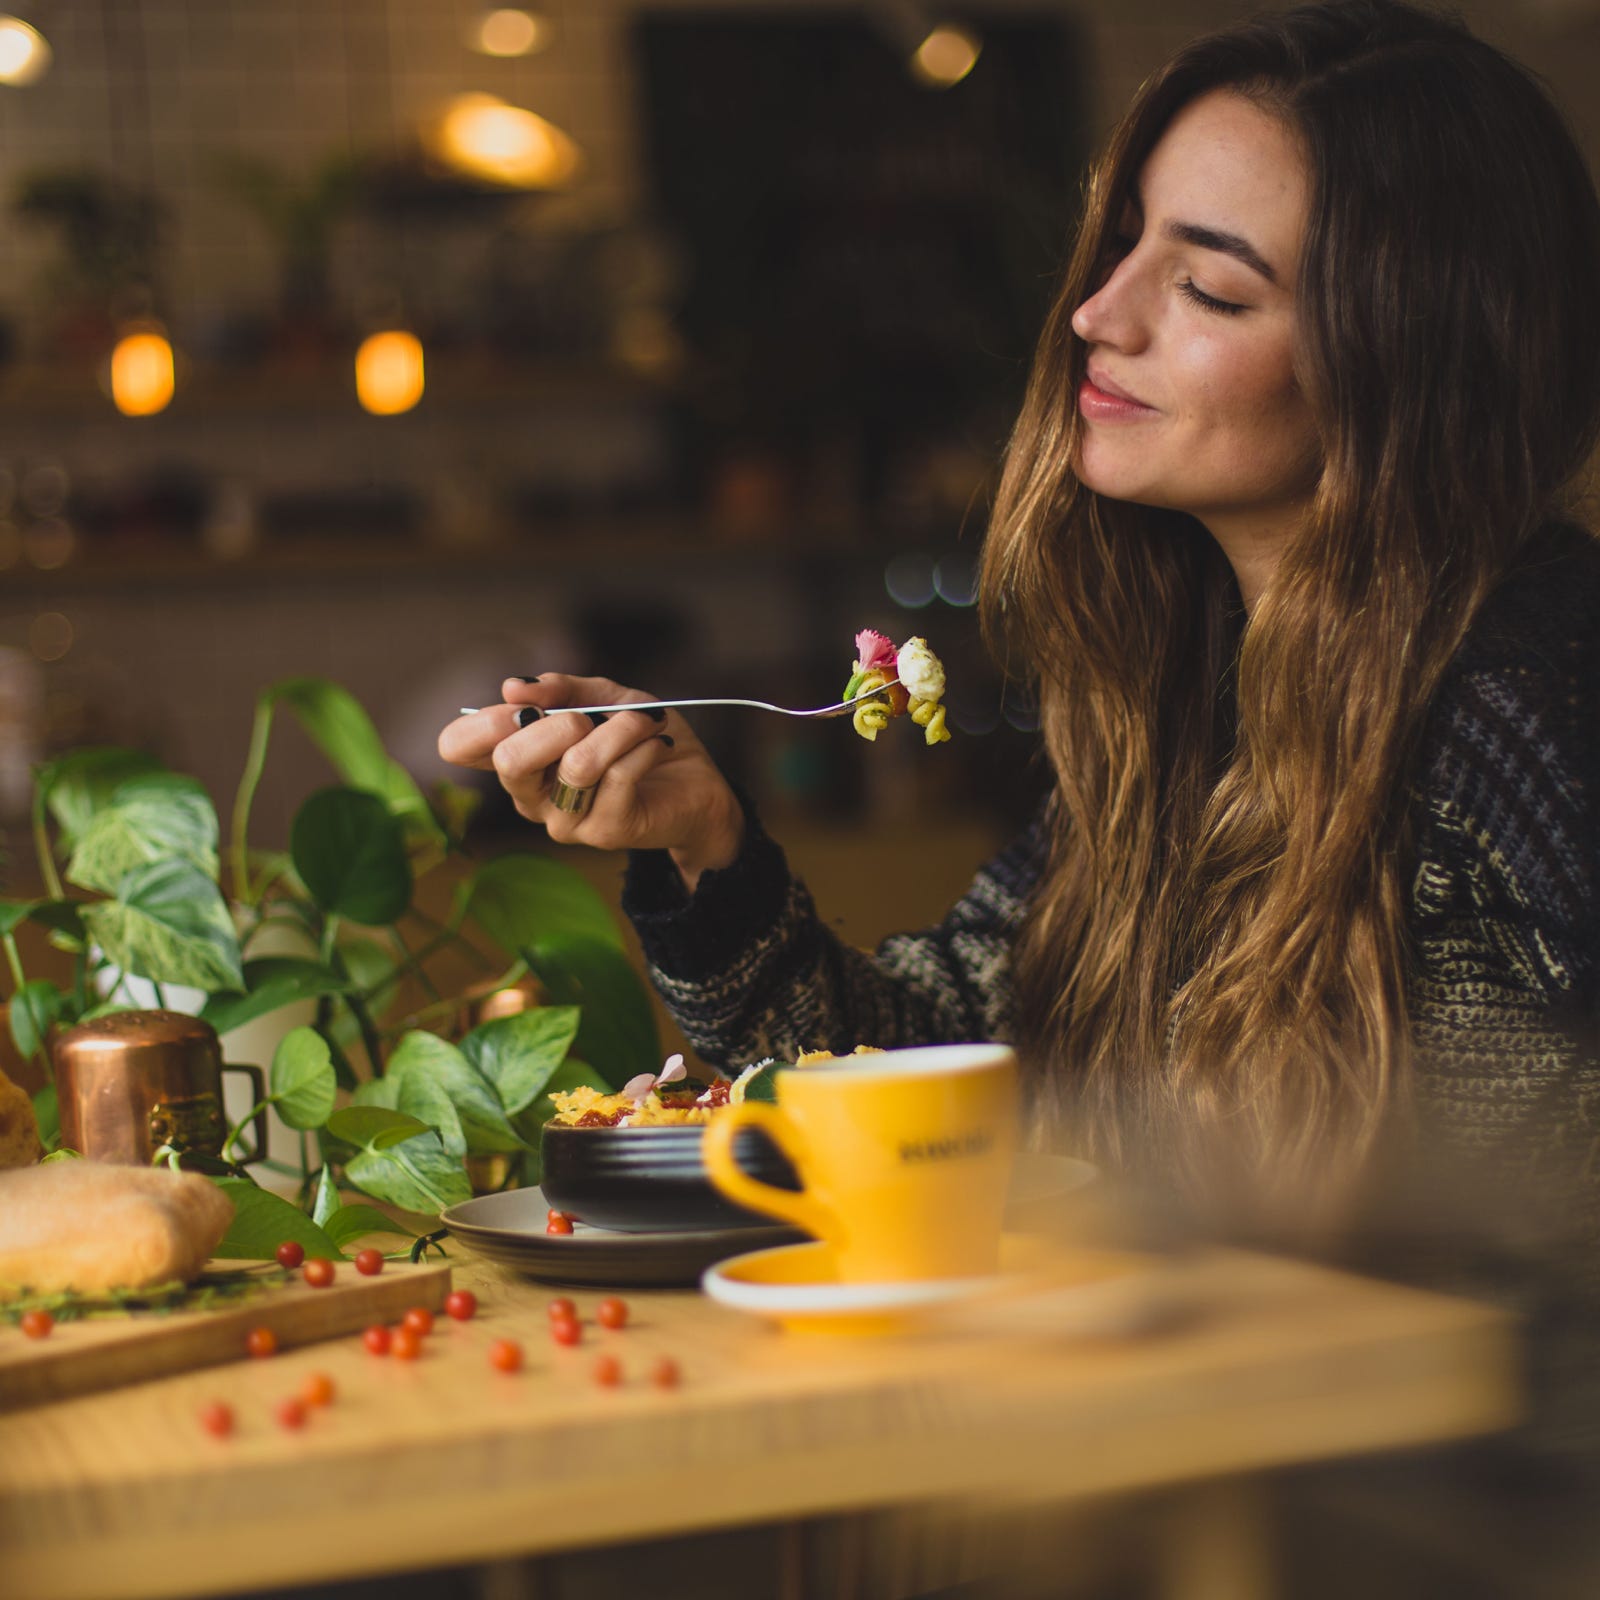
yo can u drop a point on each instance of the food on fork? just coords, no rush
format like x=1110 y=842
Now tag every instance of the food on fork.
x=911 y=680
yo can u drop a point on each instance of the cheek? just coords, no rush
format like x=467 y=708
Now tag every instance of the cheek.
x=1248 y=398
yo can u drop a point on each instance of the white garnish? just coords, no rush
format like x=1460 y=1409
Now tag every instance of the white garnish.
x=920 y=671
x=646 y=1083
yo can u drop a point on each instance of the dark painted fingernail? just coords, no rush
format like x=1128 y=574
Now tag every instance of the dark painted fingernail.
x=667 y=739
x=520 y=679
x=596 y=717
x=528 y=714
x=655 y=713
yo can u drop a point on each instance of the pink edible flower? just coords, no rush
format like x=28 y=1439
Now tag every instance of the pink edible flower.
x=639 y=1088
x=873 y=650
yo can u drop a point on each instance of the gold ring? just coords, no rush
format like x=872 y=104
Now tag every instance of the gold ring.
x=568 y=797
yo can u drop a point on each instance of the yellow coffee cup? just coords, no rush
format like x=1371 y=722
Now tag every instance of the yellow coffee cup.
x=904 y=1158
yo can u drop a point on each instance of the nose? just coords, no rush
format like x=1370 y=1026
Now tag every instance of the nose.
x=1111 y=315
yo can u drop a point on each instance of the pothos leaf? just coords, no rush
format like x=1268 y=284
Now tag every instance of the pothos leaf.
x=169 y=923
x=263 y=1220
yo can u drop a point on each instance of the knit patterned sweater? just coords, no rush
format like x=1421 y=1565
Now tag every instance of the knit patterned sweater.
x=1501 y=1193
x=1503 y=919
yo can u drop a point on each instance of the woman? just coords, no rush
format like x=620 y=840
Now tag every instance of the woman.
x=1280 y=545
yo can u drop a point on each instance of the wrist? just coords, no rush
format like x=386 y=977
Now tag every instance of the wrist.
x=717 y=846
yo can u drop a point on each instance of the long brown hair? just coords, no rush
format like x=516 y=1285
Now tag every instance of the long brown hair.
x=1217 y=952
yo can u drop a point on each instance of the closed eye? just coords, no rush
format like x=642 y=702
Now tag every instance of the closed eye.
x=1197 y=296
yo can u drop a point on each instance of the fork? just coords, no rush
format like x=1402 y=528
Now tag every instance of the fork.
x=837 y=709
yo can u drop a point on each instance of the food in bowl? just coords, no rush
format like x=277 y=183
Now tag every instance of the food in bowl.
x=631 y=1161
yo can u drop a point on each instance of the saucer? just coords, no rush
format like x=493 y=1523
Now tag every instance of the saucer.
x=509 y=1228
x=797 y=1286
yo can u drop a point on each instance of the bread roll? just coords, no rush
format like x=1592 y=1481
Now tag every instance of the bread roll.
x=90 y=1226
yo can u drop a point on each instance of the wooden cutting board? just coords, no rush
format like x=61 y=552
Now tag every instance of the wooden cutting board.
x=102 y=1353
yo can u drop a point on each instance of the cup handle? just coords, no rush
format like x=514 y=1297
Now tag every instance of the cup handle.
x=716 y=1148
x=258 y=1123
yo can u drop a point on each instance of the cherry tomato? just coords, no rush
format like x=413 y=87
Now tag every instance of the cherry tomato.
x=291 y=1253
x=565 y=1330
x=419 y=1319
x=36 y=1323
x=461 y=1304
x=607 y=1371
x=406 y=1344
x=665 y=1374
x=318 y=1272
x=369 y=1262
x=557 y=1216
x=612 y=1312
x=261 y=1342
x=377 y=1339
x=505 y=1355
x=563 y=1307
x=217 y=1419
x=291 y=1413
x=318 y=1389
x=558 y=1223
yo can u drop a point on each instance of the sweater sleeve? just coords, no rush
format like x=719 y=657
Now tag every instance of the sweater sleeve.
x=749 y=969
x=1506 y=895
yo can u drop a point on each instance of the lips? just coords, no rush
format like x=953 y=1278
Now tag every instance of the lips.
x=1104 y=384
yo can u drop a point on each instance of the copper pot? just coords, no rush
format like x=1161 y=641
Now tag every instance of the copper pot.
x=131 y=1082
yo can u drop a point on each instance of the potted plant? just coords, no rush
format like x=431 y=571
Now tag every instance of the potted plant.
x=389 y=1095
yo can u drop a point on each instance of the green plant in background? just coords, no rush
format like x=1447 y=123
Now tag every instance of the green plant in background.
x=132 y=862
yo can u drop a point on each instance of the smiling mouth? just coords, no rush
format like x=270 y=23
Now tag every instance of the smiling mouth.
x=1106 y=387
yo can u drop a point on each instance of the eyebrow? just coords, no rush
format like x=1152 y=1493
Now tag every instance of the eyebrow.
x=1228 y=244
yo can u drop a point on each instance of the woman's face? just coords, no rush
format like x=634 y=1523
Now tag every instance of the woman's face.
x=1190 y=400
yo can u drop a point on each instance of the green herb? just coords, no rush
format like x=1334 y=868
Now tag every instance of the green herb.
x=209 y=1290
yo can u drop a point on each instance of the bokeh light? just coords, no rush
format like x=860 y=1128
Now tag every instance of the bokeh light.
x=484 y=138
x=50 y=636
x=389 y=375
x=143 y=375
x=509 y=32
x=908 y=579
x=946 y=56
x=24 y=53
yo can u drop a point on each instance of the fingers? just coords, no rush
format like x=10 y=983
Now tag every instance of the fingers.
x=575 y=750
x=472 y=740
x=608 y=816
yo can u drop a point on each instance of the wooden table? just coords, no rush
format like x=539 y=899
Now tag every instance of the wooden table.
x=445 y=1461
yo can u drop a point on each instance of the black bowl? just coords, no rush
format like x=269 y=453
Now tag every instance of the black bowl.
x=651 y=1180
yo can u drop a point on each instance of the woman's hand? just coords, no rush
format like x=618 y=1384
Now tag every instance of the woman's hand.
x=636 y=780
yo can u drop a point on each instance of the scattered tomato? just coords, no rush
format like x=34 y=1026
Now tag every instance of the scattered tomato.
x=419 y=1319
x=505 y=1355
x=291 y=1253
x=318 y=1272
x=369 y=1262
x=406 y=1344
x=565 y=1330
x=36 y=1323
x=291 y=1413
x=665 y=1374
x=217 y=1419
x=317 y=1390
x=563 y=1307
x=612 y=1312
x=461 y=1304
x=261 y=1342
x=377 y=1339
x=607 y=1371
x=558 y=1223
